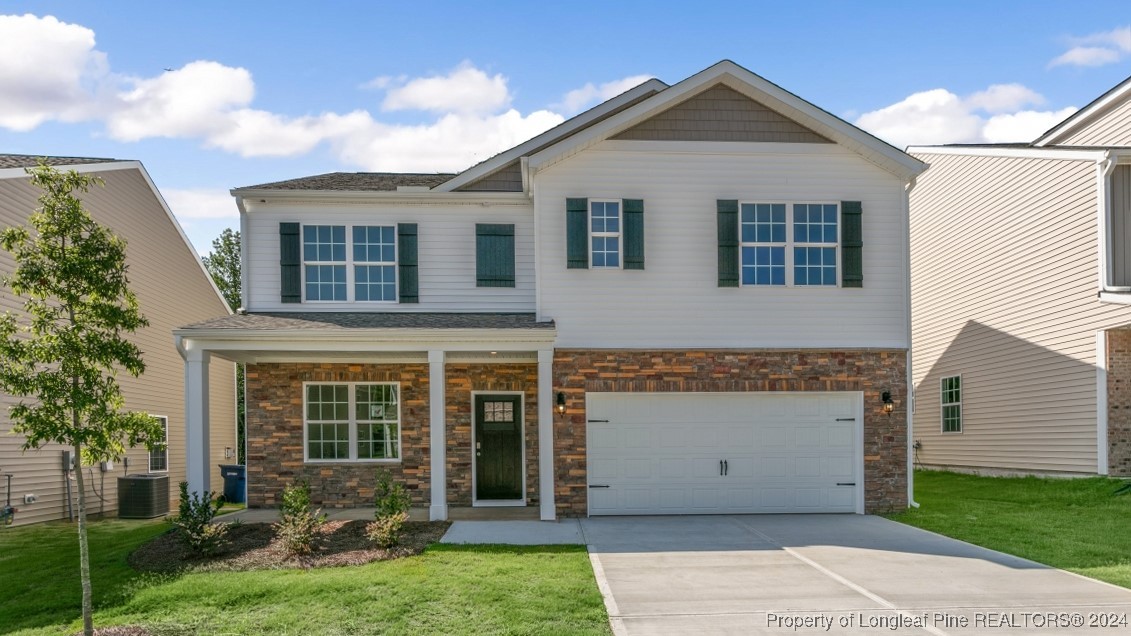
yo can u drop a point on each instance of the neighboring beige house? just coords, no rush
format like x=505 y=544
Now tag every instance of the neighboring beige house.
x=1021 y=299
x=172 y=287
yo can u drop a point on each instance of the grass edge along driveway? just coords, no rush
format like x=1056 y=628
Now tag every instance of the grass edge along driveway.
x=448 y=589
x=1075 y=524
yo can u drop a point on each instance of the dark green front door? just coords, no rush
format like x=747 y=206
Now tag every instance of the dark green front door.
x=498 y=447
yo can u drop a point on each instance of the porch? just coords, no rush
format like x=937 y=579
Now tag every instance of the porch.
x=441 y=365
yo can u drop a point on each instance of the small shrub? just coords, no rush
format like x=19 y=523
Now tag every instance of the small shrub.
x=194 y=522
x=391 y=497
x=386 y=531
x=298 y=526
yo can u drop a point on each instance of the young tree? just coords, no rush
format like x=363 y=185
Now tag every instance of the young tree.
x=64 y=352
x=223 y=263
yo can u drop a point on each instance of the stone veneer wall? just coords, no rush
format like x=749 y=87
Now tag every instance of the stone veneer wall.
x=1119 y=402
x=275 y=434
x=871 y=371
x=485 y=378
x=275 y=430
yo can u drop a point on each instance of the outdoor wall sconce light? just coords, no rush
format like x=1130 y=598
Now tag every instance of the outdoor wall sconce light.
x=889 y=406
x=561 y=403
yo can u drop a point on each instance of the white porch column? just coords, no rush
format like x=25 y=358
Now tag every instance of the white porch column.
x=197 y=442
x=437 y=424
x=546 y=435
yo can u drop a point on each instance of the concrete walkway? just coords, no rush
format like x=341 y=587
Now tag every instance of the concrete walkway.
x=837 y=574
x=566 y=531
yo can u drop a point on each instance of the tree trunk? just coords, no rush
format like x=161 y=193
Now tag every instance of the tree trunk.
x=84 y=549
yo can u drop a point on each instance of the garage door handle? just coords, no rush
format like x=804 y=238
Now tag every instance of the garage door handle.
x=846 y=483
x=846 y=419
x=726 y=467
x=601 y=421
x=598 y=485
x=720 y=468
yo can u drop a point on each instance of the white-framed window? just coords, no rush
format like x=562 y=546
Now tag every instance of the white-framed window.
x=605 y=234
x=365 y=272
x=951 y=400
x=159 y=451
x=789 y=244
x=351 y=421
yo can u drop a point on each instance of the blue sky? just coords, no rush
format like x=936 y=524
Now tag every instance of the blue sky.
x=215 y=95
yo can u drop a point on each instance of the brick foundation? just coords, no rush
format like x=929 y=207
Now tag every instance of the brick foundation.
x=870 y=371
x=1119 y=402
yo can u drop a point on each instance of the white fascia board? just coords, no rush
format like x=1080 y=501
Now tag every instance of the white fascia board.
x=734 y=76
x=405 y=198
x=367 y=340
x=562 y=130
x=1085 y=115
x=1016 y=153
x=111 y=166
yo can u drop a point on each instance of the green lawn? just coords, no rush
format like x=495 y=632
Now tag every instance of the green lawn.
x=446 y=590
x=1074 y=524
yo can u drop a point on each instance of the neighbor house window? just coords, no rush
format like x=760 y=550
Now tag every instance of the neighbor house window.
x=605 y=234
x=789 y=244
x=952 y=404
x=366 y=272
x=352 y=422
x=159 y=450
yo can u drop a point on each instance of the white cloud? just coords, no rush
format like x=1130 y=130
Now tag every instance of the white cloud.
x=48 y=70
x=51 y=71
x=200 y=204
x=464 y=90
x=193 y=101
x=1096 y=49
x=939 y=116
x=580 y=98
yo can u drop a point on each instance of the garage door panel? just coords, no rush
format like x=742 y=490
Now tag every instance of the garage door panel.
x=782 y=452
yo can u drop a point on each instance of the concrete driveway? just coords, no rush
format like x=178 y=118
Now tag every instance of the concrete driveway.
x=836 y=574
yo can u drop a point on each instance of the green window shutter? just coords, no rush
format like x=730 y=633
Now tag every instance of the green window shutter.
x=577 y=233
x=633 y=234
x=851 y=244
x=406 y=263
x=290 y=263
x=494 y=255
x=728 y=242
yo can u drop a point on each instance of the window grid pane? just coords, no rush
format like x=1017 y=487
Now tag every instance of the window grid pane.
x=375 y=282
x=605 y=233
x=952 y=404
x=159 y=452
x=324 y=243
x=326 y=282
x=763 y=232
x=373 y=421
x=374 y=244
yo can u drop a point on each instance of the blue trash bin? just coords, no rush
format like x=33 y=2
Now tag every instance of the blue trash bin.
x=235 y=482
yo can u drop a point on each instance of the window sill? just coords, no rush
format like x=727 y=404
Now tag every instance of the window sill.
x=1116 y=297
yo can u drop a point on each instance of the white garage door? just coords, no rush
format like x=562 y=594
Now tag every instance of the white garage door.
x=724 y=453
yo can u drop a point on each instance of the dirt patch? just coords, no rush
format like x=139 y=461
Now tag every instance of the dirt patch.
x=252 y=546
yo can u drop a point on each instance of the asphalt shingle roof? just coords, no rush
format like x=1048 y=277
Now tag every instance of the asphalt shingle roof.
x=28 y=161
x=356 y=181
x=371 y=320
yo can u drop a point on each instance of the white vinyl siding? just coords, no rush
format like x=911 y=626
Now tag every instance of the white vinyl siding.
x=156 y=254
x=1112 y=128
x=652 y=308
x=1005 y=270
x=445 y=253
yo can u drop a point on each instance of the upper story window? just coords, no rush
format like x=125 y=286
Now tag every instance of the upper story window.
x=367 y=272
x=789 y=244
x=605 y=234
x=952 y=404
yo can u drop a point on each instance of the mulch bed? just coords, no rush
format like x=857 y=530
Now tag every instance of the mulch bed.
x=252 y=546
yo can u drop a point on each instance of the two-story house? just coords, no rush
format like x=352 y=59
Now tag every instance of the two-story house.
x=689 y=299
x=1021 y=272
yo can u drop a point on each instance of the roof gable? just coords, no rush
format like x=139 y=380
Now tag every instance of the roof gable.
x=721 y=113
x=754 y=87
x=1075 y=130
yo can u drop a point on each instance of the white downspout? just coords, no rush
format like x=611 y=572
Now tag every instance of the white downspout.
x=909 y=404
x=245 y=275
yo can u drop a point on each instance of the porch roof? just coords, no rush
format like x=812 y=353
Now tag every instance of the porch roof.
x=344 y=321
